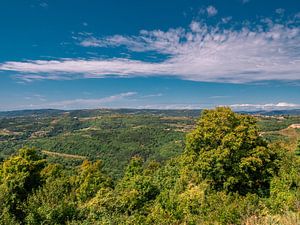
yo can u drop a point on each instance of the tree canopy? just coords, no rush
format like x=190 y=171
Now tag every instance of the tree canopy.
x=230 y=153
x=227 y=174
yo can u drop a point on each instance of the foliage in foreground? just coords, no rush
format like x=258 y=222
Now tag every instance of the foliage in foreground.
x=227 y=175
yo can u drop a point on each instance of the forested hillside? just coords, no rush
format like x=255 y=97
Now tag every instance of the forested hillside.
x=221 y=168
x=115 y=136
x=112 y=136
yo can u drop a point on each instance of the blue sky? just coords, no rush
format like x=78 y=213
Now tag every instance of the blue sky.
x=150 y=54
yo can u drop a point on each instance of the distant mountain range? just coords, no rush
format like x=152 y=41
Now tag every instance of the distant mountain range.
x=291 y=112
x=171 y=112
x=37 y=112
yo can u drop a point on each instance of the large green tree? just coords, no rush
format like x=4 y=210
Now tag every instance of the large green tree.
x=19 y=176
x=229 y=153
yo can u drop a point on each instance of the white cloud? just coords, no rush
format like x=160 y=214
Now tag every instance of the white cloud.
x=245 y=1
x=152 y=95
x=280 y=11
x=219 y=96
x=211 y=11
x=226 y=19
x=80 y=103
x=172 y=106
x=268 y=106
x=44 y=4
x=198 y=53
x=36 y=97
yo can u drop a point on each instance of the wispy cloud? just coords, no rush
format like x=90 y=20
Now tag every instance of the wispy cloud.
x=39 y=3
x=165 y=106
x=36 y=97
x=245 y=1
x=268 y=106
x=152 y=95
x=200 y=53
x=211 y=11
x=226 y=19
x=219 y=96
x=80 y=103
x=280 y=11
x=44 y=4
